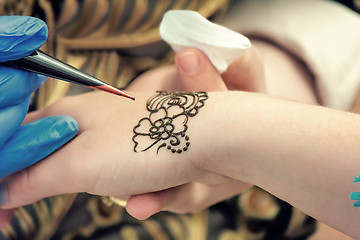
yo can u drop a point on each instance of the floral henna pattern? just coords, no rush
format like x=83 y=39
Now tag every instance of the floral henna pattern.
x=166 y=125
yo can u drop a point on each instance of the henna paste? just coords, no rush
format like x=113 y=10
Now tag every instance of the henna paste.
x=167 y=123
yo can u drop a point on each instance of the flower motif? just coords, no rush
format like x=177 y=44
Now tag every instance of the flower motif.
x=164 y=127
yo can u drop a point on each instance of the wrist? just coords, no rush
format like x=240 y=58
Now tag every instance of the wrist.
x=220 y=136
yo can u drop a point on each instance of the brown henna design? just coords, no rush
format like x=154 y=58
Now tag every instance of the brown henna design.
x=166 y=125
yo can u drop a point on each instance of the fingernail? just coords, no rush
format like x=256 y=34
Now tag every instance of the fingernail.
x=4 y=195
x=189 y=63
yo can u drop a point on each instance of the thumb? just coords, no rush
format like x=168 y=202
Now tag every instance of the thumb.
x=187 y=198
x=246 y=73
x=143 y=206
x=20 y=36
x=197 y=72
x=34 y=141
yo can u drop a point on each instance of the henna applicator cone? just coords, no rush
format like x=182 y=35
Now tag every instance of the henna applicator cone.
x=44 y=64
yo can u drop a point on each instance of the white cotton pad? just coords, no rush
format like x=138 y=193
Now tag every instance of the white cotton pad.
x=184 y=28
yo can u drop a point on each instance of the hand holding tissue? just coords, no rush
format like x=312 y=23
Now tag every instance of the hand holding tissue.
x=184 y=28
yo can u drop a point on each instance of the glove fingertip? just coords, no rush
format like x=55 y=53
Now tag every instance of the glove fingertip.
x=66 y=126
x=21 y=35
x=39 y=31
x=35 y=34
x=34 y=141
x=54 y=132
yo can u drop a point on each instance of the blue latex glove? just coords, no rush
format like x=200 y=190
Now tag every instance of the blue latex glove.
x=21 y=146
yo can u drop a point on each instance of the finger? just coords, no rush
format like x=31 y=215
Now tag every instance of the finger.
x=144 y=206
x=161 y=78
x=16 y=84
x=246 y=73
x=53 y=176
x=16 y=87
x=10 y=120
x=197 y=72
x=20 y=36
x=34 y=141
x=189 y=198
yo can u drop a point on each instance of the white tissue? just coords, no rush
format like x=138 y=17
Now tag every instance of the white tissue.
x=184 y=28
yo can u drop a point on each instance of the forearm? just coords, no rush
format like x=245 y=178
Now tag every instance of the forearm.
x=304 y=154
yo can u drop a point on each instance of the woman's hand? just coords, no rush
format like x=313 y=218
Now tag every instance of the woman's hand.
x=101 y=159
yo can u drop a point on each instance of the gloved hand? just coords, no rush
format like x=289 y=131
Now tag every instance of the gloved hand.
x=21 y=146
